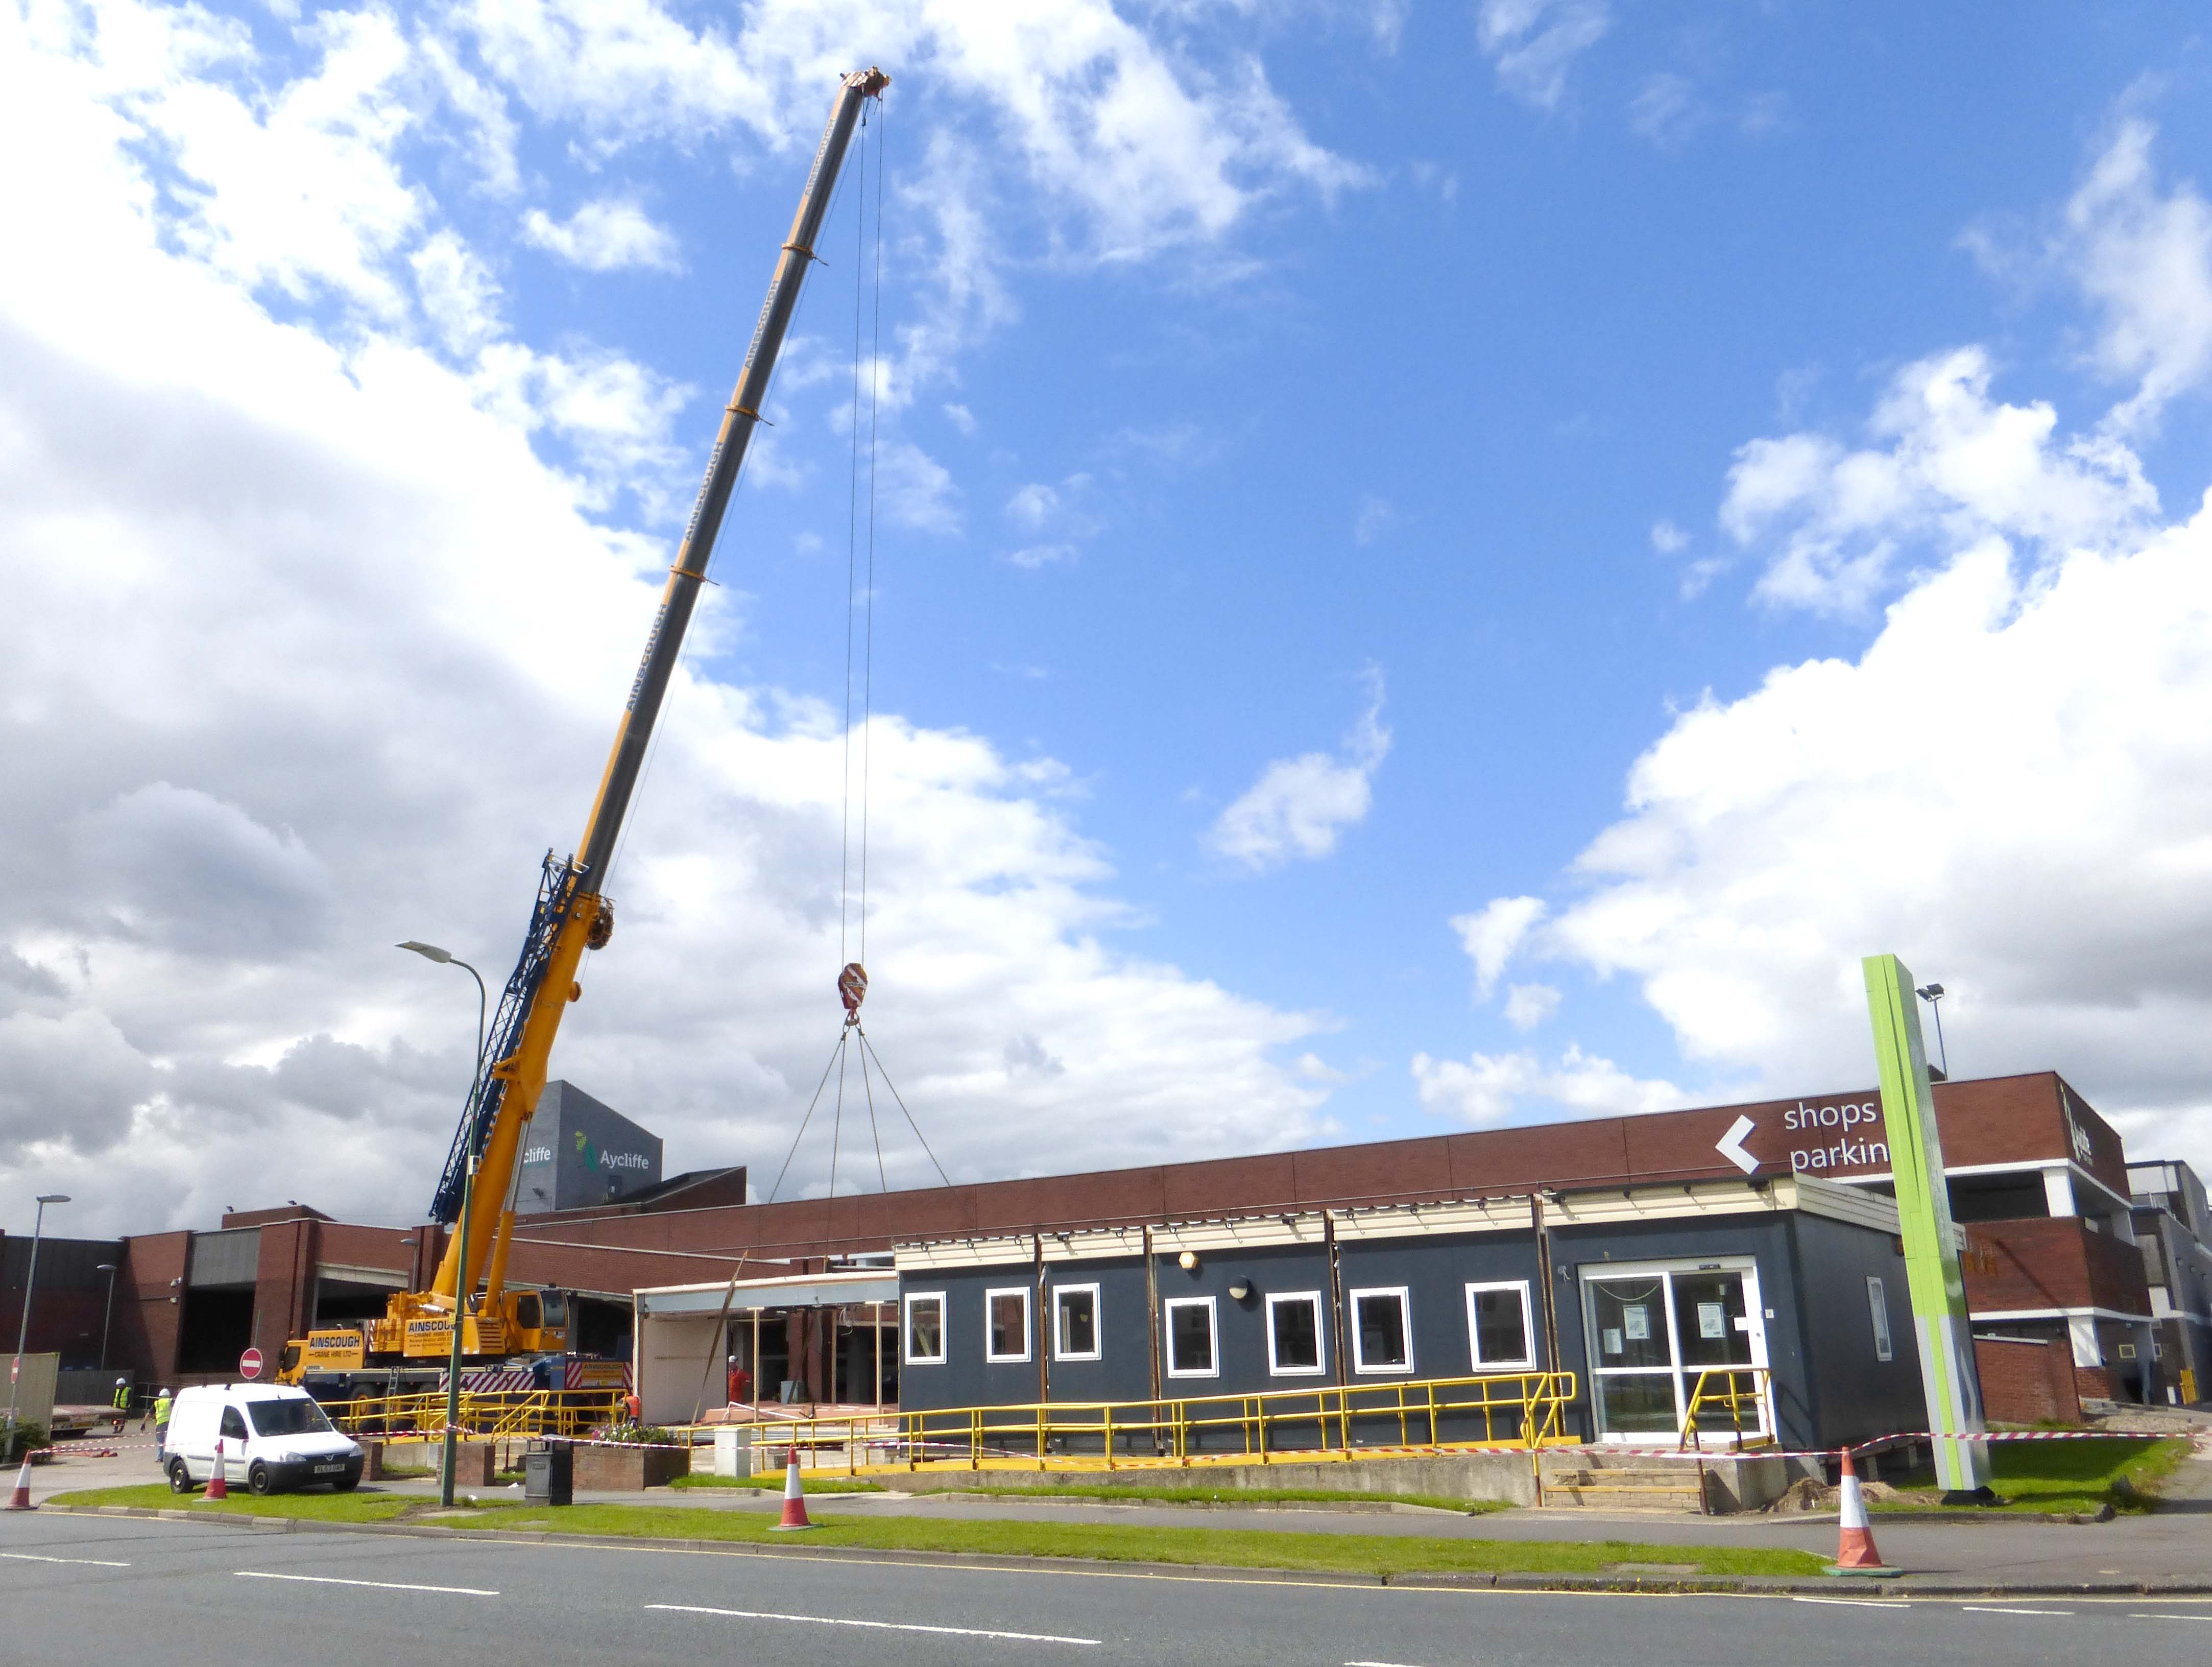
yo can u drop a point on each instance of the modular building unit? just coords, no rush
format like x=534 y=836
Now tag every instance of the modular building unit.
x=1639 y=1291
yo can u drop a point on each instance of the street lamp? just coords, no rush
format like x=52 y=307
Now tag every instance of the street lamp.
x=1933 y=995
x=108 y=1269
x=23 y=1330
x=446 y=958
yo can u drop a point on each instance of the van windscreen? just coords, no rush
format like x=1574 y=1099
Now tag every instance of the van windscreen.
x=287 y=1417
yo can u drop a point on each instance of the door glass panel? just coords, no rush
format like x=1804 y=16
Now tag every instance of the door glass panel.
x=1707 y=1309
x=1631 y=1316
x=1636 y=1401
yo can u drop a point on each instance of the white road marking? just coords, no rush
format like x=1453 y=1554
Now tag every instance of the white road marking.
x=1855 y=1603
x=2170 y=1617
x=27 y=1557
x=381 y=1586
x=1375 y=1664
x=1984 y=1609
x=876 y=1626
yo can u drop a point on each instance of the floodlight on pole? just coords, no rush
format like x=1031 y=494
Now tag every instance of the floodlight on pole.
x=446 y=958
x=23 y=1329
x=108 y=1269
x=1933 y=995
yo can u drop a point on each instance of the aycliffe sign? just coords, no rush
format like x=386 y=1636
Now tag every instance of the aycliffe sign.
x=1924 y=1210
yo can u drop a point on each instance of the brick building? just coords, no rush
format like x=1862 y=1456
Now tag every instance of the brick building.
x=2038 y=1181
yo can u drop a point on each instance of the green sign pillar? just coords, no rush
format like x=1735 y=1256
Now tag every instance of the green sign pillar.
x=1931 y=1246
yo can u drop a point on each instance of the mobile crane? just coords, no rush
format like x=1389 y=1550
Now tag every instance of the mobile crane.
x=572 y=913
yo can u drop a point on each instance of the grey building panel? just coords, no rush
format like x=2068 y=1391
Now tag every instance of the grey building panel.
x=579 y=1151
x=231 y=1258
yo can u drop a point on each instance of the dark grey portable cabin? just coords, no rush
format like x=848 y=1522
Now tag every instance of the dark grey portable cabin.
x=1649 y=1287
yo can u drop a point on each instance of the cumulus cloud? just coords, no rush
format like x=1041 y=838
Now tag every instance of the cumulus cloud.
x=1527 y=1006
x=321 y=616
x=1299 y=807
x=1488 y=1089
x=1533 y=43
x=1493 y=934
x=603 y=236
x=1947 y=463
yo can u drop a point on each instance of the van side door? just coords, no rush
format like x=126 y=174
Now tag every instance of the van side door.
x=233 y=1432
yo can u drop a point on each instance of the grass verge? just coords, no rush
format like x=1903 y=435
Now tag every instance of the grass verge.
x=1191 y=1496
x=2070 y=1476
x=773 y=1482
x=1317 y=1553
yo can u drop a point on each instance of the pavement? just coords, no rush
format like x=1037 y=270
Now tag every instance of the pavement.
x=2169 y=1549
x=75 y=1588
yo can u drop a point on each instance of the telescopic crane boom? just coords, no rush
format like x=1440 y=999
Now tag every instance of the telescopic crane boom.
x=572 y=914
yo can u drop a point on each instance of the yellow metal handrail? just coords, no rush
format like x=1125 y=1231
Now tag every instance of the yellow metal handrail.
x=1516 y=1410
x=483 y=1413
x=1737 y=1387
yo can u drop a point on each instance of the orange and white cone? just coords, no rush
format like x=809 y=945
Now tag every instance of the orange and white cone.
x=794 y=1496
x=218 y=1486
x=1856 y=1552
x=21 y=1499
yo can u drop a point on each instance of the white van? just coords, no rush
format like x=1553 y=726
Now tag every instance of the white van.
x=273 y=1437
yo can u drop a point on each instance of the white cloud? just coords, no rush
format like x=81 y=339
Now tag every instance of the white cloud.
x=1493 y=935
x=2145 y=261
x=1488 y=1089
x=1031 y=558
x=961 y=418
x=1299 y=807
x=608 y=235
x=1375 y=518
x=1667 y=111
x=1948 y=464
x=1535 y=42
x=2009 y=788
x=309 y=644
x=1032 y=506
x=1527 y=1006
x=1668 y=538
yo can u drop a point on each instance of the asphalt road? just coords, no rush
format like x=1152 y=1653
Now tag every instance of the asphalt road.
x=77 y=1589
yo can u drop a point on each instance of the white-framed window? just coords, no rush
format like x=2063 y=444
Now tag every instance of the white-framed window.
x=1381 y=1329
x=1501 y=1335
x=1294 y=1334
x=1006 y=1324
x=1076 y=1333
x=1878 y=1310
x=925 y=1329
x=1193 y=1350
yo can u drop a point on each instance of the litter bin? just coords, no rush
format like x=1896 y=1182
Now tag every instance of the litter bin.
x=549 y=1474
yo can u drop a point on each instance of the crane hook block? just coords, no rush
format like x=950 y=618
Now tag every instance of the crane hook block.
x=852 y=986
x=575 y=992
x=603 y=926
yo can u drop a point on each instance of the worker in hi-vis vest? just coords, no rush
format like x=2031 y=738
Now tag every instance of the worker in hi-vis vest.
x=122 y=1395
x=161 y=1423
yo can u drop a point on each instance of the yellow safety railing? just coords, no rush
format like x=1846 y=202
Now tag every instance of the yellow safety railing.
x=487 y=1413
x=1734 y=1389
x=1521 y=1410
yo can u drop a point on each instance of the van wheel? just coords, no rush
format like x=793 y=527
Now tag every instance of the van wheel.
x=346 y=1484
x=258 y=1479
x=180 y=1479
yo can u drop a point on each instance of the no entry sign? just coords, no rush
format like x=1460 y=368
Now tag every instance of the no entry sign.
x=249 y=1364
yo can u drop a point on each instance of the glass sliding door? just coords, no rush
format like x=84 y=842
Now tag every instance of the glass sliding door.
x=1651 y=1330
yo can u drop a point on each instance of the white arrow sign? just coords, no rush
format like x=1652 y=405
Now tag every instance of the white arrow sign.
x=1730 y=1144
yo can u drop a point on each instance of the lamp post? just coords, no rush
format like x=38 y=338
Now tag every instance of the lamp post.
x=108 y=1315
x=1933 y=995
x=446 y=958
x=23 y=1330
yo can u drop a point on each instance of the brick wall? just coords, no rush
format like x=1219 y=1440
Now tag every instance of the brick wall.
x=2028 y=1381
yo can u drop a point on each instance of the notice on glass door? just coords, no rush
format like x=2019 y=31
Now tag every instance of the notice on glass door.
x=1713 y=1320
x=1637 y=1322
x=1613 y=1340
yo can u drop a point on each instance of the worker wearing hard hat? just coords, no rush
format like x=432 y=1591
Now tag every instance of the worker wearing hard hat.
x=161 y=1408
x=122 y=1402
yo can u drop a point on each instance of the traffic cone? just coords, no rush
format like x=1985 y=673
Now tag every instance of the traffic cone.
x=217 y=1487
x=1856 y=1552
x=794 y=1496
x=21 y=1499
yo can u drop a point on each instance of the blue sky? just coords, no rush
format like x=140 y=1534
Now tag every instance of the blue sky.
x=1341 y=470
